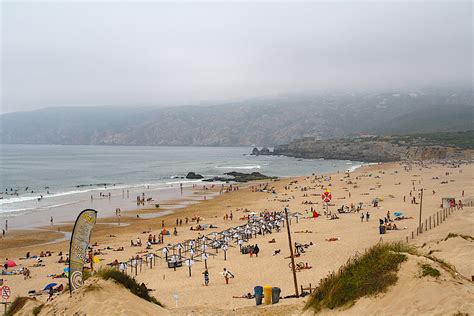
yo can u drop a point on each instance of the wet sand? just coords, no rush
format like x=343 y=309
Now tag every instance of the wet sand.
x=390 y=182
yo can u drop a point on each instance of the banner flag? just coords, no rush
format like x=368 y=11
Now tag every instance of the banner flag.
x=80 y=237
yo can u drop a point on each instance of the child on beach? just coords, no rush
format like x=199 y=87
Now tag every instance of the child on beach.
x=206 y=277
x=227 y=275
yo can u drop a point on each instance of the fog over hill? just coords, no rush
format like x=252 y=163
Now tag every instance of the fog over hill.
x=260 y=121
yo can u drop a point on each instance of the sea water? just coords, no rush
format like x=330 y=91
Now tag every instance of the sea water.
x=40 y=181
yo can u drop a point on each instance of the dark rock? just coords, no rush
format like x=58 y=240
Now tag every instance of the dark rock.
x=241 y=177
x=193 y=175
x=263 y=151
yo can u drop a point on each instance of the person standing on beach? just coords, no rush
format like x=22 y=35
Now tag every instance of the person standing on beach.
x=227 y=275
x=162 y=224
x=206 y=277
x=362 y=217
x=367 y=217
x=51 y=221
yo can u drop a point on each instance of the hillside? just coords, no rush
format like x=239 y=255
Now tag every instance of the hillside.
x=429 y=120
x=262 y=121
x=457 y=145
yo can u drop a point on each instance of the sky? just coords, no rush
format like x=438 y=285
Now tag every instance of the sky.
x=160 y=53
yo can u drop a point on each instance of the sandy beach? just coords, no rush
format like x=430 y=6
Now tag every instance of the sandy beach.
x=394 y=184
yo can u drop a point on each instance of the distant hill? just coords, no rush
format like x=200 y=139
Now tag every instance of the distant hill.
x=429 y=120
x=260 y=121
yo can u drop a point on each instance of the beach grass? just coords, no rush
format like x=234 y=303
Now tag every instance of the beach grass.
x=128 y=282
x=454 y=235
x=367 y=274
x=37 y=309
x=428 y=270
x=16 y=305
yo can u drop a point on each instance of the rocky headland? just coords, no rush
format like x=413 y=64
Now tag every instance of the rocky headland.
x=370 y=149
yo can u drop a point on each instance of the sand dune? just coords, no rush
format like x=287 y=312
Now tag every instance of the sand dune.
x=390 y=182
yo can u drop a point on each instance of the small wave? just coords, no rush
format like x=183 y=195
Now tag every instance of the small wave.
x=239 y=167
x=46 y=196
x=353 y=168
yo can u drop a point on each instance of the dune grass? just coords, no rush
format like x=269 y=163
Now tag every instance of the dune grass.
x=454 y=235
x=128 y=282
x=16 y=305
x=37 y=309
x=428 y=270
x=367 y=274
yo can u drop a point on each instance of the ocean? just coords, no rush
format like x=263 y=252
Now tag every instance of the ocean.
x=40 y=181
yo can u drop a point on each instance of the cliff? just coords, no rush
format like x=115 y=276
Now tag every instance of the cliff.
x=372 y=149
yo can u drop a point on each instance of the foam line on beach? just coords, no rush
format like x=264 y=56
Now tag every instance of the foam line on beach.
x=246 y=167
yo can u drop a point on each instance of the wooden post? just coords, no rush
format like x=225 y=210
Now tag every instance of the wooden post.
x=426 y=224
x=407 y=239
x=412 y=235
x=421 y=207
x=430 y=221
x=291 y=253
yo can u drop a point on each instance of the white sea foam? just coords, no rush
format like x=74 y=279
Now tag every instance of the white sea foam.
x=46 y=196
x=248 y=167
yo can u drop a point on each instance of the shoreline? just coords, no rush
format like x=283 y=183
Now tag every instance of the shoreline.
x=63 y=216
x=176 y=206
x=362 y=185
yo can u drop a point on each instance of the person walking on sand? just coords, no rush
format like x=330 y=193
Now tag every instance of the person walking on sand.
x=227 y=275
x=367 y=217
x=362 y=218
x=206 y=277
x=51 y=221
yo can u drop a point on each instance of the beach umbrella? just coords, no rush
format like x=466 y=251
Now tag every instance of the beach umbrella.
x=50 y=285
x=11 y=263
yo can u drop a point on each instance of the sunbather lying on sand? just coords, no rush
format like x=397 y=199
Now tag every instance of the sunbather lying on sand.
x=248 y=296
x=333 y=239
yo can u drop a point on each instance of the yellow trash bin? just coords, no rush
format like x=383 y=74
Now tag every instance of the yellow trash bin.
x=267 y=294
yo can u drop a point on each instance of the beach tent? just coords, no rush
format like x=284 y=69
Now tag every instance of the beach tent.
x=50 y=285
x=398 y=213
x=11 y=263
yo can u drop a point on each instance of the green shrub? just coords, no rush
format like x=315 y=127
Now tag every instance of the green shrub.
x=128 y=282
x=368 y=274
x=428 y=270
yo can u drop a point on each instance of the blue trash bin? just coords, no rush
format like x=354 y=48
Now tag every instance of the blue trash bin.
x=276 y=295
x=258 y=290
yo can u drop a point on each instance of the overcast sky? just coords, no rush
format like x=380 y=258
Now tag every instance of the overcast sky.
x=155 y=53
